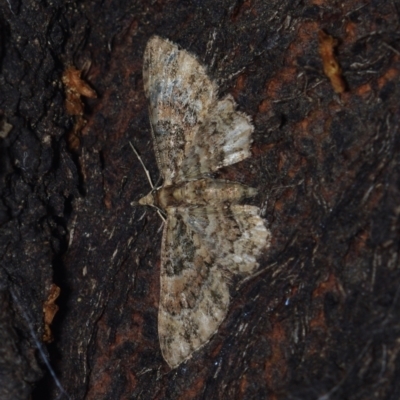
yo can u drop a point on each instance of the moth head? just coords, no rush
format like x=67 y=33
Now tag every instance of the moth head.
x=147 y=200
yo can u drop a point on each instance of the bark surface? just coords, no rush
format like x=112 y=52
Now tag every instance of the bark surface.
x=320 y=320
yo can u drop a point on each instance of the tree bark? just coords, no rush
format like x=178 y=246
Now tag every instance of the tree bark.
x=321 y=317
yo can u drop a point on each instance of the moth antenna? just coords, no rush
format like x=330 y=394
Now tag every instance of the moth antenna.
x=158 y=181
x=160 y=213
x=141 y=162
x=153 y=188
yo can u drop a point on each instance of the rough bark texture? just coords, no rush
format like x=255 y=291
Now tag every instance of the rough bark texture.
x=321 y=320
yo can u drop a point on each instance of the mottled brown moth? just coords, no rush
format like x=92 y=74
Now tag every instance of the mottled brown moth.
x=208 y=235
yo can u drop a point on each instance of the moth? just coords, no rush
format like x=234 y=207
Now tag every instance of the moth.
x=208 y=236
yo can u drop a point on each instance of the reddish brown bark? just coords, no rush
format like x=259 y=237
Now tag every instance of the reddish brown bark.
x=321 y=319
